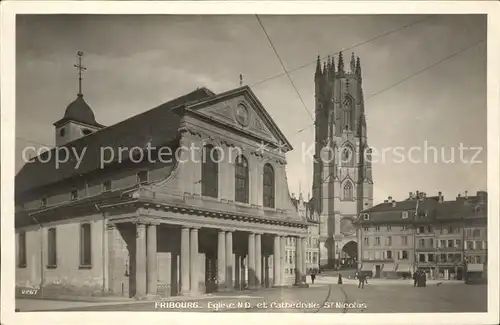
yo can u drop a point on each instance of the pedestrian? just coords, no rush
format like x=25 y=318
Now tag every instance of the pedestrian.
x=361 y=280
x=340 y=279
x=415 y=279
x=313 y=275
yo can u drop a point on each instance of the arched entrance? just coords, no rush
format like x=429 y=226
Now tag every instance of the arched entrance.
x=349 y=255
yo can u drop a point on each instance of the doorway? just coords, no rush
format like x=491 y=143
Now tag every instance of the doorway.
x=377 y=271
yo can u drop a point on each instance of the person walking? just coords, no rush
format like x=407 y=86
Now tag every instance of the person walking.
x=415 y=278
x=340 y=279
x=361 y=280
x=313 y=275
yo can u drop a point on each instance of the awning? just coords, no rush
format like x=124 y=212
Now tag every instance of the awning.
x=367 y=267
x=475 y=267
x=389 y=267
x=403 y=267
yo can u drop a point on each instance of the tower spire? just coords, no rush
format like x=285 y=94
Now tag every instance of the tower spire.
x=318 y=68
x=353 y=63
x=333 y=67
x=358 y=68
x=241 y=80
x=80 y=68
x=340 y=68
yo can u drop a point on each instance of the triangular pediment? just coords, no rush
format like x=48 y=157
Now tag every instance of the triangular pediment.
x=242 y=111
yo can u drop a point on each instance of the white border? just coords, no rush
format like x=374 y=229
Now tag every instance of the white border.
x=10 y=8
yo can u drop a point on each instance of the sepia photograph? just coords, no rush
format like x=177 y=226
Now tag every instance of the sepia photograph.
x=250 y=163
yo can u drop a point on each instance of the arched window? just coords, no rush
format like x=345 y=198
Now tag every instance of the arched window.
x=348 y=191
x=210 y=172
x=241 y=183
x=348 y=105
x=268 y=186
x=347 y=156
x=347 y=120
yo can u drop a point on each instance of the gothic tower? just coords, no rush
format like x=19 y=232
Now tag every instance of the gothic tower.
x=342 y=177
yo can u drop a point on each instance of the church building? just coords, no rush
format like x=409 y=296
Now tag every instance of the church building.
x=186 y=198
x=342 y=176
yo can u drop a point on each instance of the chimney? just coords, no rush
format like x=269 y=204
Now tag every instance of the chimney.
x=417 y=194
x=293 y=196
x=393 y=203
x=410 y=196
x=440 y=196
x=466 y=196
x=389 y=198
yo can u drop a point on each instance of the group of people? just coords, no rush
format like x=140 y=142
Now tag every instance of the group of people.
x=419 y=278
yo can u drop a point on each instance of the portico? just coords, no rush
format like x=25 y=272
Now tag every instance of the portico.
x=173 y=253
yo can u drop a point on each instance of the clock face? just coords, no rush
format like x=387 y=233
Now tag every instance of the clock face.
x=242 y=114
x=346 y=226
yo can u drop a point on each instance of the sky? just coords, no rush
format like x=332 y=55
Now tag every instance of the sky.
x=421 y=87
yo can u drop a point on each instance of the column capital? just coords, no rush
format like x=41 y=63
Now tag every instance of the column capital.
x=227 y=229
x=140 y=224
x=111 y=226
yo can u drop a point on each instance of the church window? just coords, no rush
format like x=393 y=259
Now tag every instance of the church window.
x=52 y=248
x=85 y=244
x=347 y=156
x=268 y=186
x=21 y=262
x=62 y=132
x=242 y=180
x=348 y=191
x=347 y=120
x=43 y=202
x=142 y=176
x=74 y=195
x=210 y=172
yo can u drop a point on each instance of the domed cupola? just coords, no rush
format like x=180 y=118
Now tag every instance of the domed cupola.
x=80 y=111
x=79 y=119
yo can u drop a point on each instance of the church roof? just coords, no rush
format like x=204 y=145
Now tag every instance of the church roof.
x=79 y=111
x=158 y=126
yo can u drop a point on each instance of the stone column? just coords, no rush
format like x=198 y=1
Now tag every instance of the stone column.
x=277 y=261
x=258 y=260
x=304 y=259
x=140 y=261
x=229 y=261
x=221 y=260
x=193 y=263
x=298 y=260
x=185 y=268
x=152 y=260
x=282 y=260
x=251 y=261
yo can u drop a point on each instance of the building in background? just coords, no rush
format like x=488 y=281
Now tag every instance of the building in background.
x=306 y=212
x=446 y=239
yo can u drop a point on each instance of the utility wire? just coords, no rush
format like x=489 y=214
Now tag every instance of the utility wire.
x=284 y=68
x=345 y=49
x=31 y=141
x=411 y=76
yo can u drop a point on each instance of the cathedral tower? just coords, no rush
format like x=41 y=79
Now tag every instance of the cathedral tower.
x=342 y=177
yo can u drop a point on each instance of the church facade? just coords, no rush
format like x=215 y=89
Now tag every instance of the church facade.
x=342 y=176
x=186 y=198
